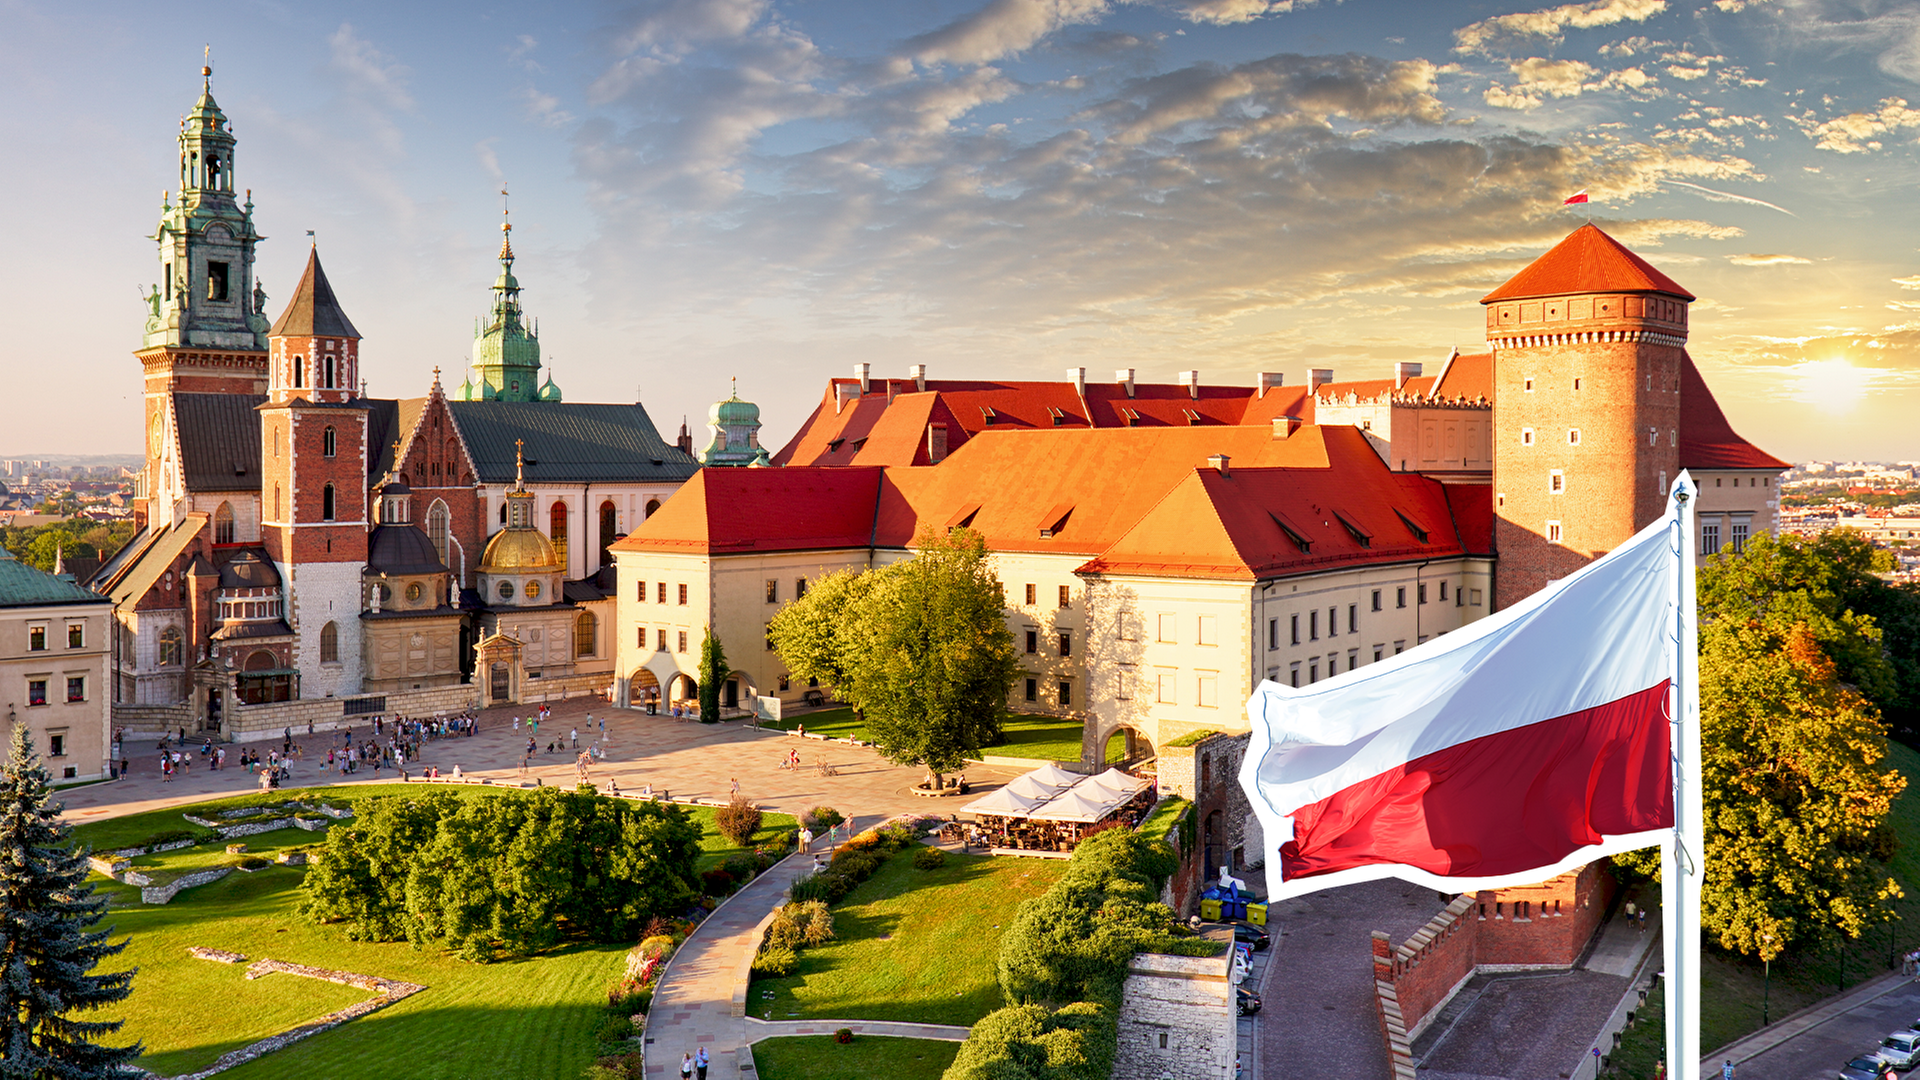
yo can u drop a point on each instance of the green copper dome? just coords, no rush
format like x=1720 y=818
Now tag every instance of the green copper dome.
x=736 y=433
x=506 y=347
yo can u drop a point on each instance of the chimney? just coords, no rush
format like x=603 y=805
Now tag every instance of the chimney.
x=1079 y=377
x=1271 y=380
x=1403 y=371
x=842 y=393
x=936 y=443
x=1319 y=377
x=1219 y=463
x=864 y=372
x=1191 y=380
x=1124 y=377
x=918 y=373
x=685 y=441
x=1284 y=426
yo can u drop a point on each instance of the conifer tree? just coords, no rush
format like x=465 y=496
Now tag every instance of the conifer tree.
x=713 y=672
x=48 y=947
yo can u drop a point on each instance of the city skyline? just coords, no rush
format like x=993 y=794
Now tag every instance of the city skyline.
x=996 y=189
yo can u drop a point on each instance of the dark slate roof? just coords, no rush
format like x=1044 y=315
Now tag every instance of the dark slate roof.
x=402 y=549
x=383 y=427
x=584 y=591
x=23 y=586
x=313 y=311
x=219 y=441
x=246 y=631
x=568 y=442
x=249 y=569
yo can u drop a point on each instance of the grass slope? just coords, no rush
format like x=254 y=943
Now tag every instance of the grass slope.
x=533 y=1018
x=913 y=945
x=1733 y=988
x=818 y=1057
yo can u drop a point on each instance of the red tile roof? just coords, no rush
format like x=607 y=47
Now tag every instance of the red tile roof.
x=1707 y=441
x=731 y=510
x=1469 y=376
x=1587 y=261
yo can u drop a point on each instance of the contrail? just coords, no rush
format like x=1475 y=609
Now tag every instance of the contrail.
x=1728 y=196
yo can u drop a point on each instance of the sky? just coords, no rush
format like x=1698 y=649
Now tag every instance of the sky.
x=775 y=190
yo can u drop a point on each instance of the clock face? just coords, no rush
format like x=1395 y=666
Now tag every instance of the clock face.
x=156 y=435
x=413 y=593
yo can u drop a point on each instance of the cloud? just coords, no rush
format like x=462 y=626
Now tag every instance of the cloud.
x=1859 y=132
x=1279 y=92
x=1768 y=260
x=1536 y=79
x=1228 y=12
x=1001 y=29
x=1503 y=32
x=678 y=24
x=374 y=74
x=1908 y=282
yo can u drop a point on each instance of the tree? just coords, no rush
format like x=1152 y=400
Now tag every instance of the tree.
x=47 y=942
x=928 y=657
x=808 y=632
x=713 y=672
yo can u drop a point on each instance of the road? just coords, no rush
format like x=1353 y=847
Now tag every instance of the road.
x=1815 y=1043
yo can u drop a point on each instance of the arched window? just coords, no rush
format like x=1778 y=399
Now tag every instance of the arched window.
x=276 y=502
x=261 y=660
x=608 y=517
x=299 y=371
x=330 y=644
x=652 y=505
x=328 y=443
x=557 y=529
x=438 y=519
x=332 y=373
x=583 y=633
x=223 y=524
x=169 y=647
x=326 y=503
x=503 y=513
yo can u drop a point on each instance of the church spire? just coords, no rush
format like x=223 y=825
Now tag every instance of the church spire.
x=506 y=349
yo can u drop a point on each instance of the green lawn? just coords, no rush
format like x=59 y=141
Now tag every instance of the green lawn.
x=1028 y=735
x=818 y=1057
x=533 y=1018
x=915 y=945
x=1732 y=988
x=1645 y=1042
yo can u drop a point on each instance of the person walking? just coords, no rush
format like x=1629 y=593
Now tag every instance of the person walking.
x=700 y=1062
x=575 y=736
x=736 y=787
x=1726 y=1071
x=686 y=1065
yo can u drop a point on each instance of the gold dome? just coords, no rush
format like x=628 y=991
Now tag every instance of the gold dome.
x=519 y=551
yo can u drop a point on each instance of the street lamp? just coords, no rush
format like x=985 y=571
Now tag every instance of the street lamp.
x=1766 y=979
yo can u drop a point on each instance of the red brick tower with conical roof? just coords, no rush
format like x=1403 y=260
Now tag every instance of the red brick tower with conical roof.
x=1588 y=346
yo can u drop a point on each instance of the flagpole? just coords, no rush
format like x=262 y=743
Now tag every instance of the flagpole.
x=1683 y=855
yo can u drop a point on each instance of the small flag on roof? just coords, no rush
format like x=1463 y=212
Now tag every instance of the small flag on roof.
x=1577 y=197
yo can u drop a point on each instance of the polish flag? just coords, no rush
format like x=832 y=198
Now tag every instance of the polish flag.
x=1512 y=749
x=1577 y=197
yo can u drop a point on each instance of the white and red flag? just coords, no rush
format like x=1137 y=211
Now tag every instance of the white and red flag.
x=1575 y=198
x=1526 y=744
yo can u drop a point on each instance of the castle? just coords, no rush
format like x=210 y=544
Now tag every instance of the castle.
x=308 y=551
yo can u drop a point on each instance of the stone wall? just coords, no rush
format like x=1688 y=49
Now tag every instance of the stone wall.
x=257 y=723
x=1208 y=773
x=160 y=894
x=566 y=687
x=1176 y=1019
x=151 y=719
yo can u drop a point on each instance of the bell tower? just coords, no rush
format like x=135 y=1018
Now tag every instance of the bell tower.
x=1588 y=344
x=506 y=347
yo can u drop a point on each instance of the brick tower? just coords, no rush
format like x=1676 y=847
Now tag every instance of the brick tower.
x=314 y=460
x=1588 y=344
x=205 y=332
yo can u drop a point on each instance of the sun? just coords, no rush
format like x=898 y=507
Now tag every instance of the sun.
x=1833 y=386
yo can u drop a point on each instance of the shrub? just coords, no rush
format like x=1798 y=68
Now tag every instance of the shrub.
x=254 y=862
x=774 y=962
x=897 y=837
x=811 y=887
x=625 y=1066
x=821 y=818
x=843 y=1035
x=865 y=841
x=742 y=867
x=716 y=882
x=814 y=920
x=617 y=1028
x=663 y=926
x=738 y=821
x=855 y=865
x=929 y=858
x=628 y=998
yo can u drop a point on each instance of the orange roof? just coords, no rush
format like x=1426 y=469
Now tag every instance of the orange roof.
x=1469 y=376
x=1253 y=523
x=1587 y=261
x=730 y=510
x=1707 y=441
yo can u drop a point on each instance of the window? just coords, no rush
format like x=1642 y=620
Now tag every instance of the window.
x=1066 y=643
x=216 y=280
x=1660 y=485
x=1313 y=625
x=76 y=635
x=533 y=591
x=1526 y=436
x=169 y=646
x=1207 y=689
x=652 y=505
x=767 y=634
x=223 y=524
x=57 y=745
x=1033 y=690
x=1710 y=538
x=660 y=593
x=1333 y=664
x=683 y=641
x=332 y=373
x=328 y=443
x=1576 y=384
x=505 y=590
x=1066 y=693
x=1273 y=633
x=660 y=640
x=1527 y=386
x=439 y=520
x=1653 y=435
x=1168 y=693
x=1033 y=641
x=1353 y=618
x=1739 y=537
x=1475 y=598
x=608 y=519
x=1209 y=630
x=1423 y=592
x=1333 y=622
x=36 y=692
x=773 y=590
x=414 y=592
x=326 y=503
x=1556 y=481
x=1573 y=436
x=1553 y=532
x=1169 y=633
x=330 y=644
x=786 y=683
x=584 y=629
x=1399 y=647
x=76 y=688
x=1296 y=629
x=1379 y=651
x=1294 y=675
x=799 y=588
x=683 y=594
x=299 y=381
x=1400 y=597
x=1033 y=595
x=1066 y=596
x=36 y=639
x=1376 y=599
x=1313 y=671
x=1123 y=683
x=557 y=529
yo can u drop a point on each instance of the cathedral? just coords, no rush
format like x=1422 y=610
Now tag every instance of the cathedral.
x=303 y=542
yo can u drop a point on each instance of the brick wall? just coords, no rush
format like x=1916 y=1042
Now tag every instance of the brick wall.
x=1176 y=1019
